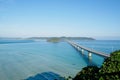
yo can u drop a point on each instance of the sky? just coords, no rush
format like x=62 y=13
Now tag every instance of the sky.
x=45 y=18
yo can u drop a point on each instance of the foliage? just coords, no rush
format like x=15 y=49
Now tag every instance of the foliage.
x=110 y=70
x=88 y=73
x=68 y=78
x=54 y=40
x=111 y=67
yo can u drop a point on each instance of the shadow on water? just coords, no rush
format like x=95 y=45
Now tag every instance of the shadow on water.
x=45 y=76
x=87 y=59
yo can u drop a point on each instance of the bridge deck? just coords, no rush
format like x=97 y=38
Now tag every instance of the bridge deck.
x=88 y=49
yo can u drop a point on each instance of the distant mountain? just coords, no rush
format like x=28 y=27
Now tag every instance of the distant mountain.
x=38 y=38
x=80 y=38
x=71 y=38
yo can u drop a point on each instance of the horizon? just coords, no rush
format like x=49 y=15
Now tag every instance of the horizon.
x=98 y=38
x=47 y=18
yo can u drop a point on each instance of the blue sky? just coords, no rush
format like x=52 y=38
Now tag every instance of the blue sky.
x=90 y=18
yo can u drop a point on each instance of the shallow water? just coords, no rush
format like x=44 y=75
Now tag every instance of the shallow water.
x=20 y=60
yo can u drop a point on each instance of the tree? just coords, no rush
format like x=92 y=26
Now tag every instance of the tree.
x=110 y=70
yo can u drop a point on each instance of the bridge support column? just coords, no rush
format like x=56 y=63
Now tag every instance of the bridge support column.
x=89 y=54
x=82 y=51
x=75 y=46
x=78 y=48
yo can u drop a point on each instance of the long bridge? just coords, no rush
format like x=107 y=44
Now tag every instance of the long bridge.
x=90 y=51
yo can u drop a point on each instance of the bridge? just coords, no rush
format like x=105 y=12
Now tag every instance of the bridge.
x=90 y=51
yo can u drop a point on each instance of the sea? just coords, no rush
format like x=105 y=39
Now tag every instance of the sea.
x=22 y=59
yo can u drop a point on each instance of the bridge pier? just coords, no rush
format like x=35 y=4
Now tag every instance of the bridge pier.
x=75 y=46
x=89 y=54
x=82 y=51
x=78 y=48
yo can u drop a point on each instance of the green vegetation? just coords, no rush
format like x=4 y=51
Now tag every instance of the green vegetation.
x=111 y=67
x=54 y=40
x=79 y=38
x=110 y=70
x=89 y=72
x=58 y=39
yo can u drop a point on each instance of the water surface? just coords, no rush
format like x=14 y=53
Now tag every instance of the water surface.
x=22 y=59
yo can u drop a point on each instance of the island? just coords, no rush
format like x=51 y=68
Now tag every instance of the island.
x=59 y=39
x=54 y=40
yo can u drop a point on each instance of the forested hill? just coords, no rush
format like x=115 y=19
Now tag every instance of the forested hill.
x=72 y=38
x=110 y=70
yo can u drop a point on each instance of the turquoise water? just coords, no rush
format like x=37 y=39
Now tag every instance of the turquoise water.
x=22 y=59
